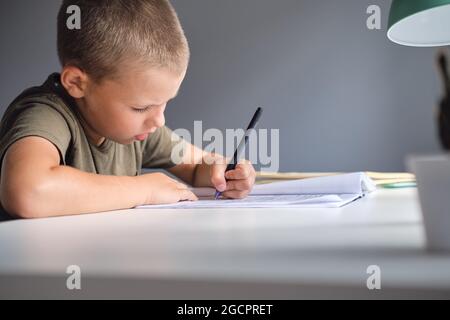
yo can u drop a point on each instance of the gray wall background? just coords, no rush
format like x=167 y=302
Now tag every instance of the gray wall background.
x=343 y=97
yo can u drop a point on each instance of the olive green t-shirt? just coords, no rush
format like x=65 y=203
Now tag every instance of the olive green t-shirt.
x=49 y=112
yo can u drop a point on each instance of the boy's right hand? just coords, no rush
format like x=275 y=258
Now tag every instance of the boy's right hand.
x=158 y=188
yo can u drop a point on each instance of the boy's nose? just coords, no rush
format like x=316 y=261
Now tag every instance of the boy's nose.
x=160 y=120
x=157 y=120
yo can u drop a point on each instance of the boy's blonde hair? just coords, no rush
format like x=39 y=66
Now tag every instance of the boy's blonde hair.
x=116 y=32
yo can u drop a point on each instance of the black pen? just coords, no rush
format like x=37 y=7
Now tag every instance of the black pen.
x=242 y=144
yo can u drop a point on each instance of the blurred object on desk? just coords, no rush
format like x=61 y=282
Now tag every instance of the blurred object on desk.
x=381 y=179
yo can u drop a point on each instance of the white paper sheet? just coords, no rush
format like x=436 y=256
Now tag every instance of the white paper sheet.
x=264 y=201
x=350 y=183
x=325 y=192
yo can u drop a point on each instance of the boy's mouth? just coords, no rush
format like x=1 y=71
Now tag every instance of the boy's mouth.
x=141 y=137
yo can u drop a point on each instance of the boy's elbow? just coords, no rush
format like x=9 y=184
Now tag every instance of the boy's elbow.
x=20 y=202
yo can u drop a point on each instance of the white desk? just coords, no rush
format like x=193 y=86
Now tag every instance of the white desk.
x=232 y=253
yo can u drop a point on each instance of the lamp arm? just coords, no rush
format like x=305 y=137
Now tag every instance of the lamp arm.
x=443 y=68
x=444 y=106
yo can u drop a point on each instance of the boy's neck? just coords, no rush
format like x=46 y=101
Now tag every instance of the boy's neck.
x=93 y=137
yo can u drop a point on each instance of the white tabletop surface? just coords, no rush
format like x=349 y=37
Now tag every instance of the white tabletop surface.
x=228 y=253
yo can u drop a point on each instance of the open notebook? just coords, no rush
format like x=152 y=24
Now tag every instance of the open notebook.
x=325 y=192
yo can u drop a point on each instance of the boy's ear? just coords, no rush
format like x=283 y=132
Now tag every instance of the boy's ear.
x=75 y=81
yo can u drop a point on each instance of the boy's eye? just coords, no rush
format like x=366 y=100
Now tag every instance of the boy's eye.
x=141 y=110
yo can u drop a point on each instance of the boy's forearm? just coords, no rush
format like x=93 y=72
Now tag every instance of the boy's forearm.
x=202 y=175
x=196 y=167
x=68 y=191
x=196 y=175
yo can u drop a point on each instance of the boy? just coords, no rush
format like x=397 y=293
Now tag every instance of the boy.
x=77 y=143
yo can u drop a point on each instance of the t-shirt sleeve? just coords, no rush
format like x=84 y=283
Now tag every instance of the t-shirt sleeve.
x=37 y=120
x=157 y=149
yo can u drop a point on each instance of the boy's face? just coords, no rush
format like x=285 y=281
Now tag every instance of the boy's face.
x=131 y=107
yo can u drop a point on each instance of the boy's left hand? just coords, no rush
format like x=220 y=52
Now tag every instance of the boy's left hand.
x=234 y=184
